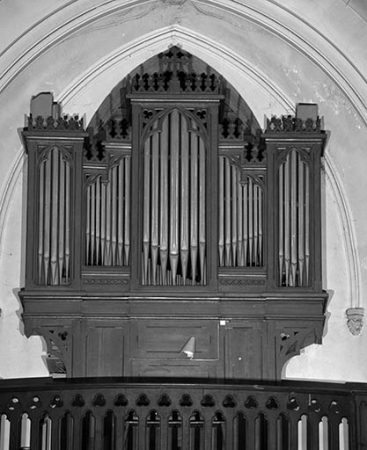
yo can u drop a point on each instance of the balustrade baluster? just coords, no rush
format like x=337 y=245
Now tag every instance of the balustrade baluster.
x=141 y=436
x=250 y=429
x=324 y=434
x=293 y=434
x=98 y=442
x=272 y=430
x=283 y=432
x=313 y=432
x=334 y=432
x=164 y=430
x=76 y=439
x=35 y=437
x=64 y=434
x=46 y=433
x=12 y=432
x=185 y=429
x=229 y=429
x=344 y=434
x=120 y=413
x=303 y=433
x=25 y=432
x=4 y=432
x=55 y=428
x=207 y=432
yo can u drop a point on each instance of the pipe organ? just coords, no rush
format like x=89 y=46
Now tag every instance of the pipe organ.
x=173 y=220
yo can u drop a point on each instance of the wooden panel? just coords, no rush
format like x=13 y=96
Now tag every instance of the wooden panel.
x=156 y=348
x=243 y=350
x=169 y=368
x=104 y=351
x=160 y=339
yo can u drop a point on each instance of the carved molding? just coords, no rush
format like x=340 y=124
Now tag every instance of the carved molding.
x=242 y=281
x=290 y=124
x=355 y=320
x=65 y=123
x=106 y=281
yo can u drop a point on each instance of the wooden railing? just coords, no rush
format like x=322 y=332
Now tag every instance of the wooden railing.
x=44 y=414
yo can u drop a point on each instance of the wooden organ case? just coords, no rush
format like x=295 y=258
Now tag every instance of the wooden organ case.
x=173 y=229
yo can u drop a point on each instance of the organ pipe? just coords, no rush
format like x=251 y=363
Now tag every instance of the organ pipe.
x=174 y=193
x=294 y=221
x=155 y=211
x=221 y=212
x=202 y=209
x=108 y=217
x=240 y=242
x=194 y=202
x=164 y=204
x=54 y=219
x=107 y=255
x=125 y=186
x=184 y=219
x=174 y=199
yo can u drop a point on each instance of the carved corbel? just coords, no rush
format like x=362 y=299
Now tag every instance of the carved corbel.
x=355 y=320
x=58 y=349
x=291 y=340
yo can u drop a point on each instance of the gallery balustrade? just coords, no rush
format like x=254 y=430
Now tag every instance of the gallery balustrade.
x=108 y=414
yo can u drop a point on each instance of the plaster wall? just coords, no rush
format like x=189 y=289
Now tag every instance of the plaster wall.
x=275 y=54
